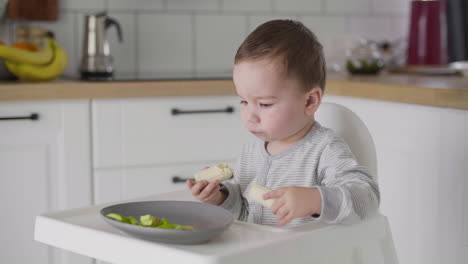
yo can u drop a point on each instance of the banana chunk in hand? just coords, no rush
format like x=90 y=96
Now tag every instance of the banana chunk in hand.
x=256 y=193
x=220 y=172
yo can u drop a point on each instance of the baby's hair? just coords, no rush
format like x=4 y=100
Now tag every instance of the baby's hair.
x=293 y=44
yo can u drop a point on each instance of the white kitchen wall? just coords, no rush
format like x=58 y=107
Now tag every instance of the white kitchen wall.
x=196 y=38
x=5 y=32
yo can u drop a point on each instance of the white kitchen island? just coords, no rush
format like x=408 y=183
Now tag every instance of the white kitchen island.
x=84 y=232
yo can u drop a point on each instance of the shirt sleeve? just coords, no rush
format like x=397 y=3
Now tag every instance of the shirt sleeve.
x=235 y=202
x=348 y=191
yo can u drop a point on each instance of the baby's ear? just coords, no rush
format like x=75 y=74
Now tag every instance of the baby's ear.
x=314 y=98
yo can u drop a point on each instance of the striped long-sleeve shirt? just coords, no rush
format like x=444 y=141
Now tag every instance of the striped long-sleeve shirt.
x=320 y=160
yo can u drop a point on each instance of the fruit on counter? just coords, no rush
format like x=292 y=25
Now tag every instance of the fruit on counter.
x=25 y=46
x=256 y=193
x=19 y=55
x=45 y=72
x=5 y=74
x=220 y=172
x=149 y=221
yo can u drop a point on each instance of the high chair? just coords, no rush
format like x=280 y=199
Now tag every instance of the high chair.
x=355 y=133
x=368 y=242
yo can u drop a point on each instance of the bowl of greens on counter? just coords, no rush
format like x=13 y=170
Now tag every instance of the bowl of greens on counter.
x=364 y=58
x=178 y=222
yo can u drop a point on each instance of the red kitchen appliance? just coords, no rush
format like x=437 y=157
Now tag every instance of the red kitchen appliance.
x=427 y=40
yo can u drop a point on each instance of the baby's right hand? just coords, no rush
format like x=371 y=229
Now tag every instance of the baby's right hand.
x=207 y=192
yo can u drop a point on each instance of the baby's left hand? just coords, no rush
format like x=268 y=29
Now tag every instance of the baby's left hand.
x=292 y=202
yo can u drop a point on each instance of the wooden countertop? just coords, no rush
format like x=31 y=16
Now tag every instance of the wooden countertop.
x=447 y=91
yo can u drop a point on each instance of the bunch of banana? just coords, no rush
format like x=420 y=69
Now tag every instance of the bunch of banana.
x=43 y=65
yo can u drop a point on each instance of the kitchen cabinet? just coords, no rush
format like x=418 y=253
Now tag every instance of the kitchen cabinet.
x=44 y=166
x=422 y=158
x=140 y=145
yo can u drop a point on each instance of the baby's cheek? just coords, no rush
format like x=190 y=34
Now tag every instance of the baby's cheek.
x=279 y=126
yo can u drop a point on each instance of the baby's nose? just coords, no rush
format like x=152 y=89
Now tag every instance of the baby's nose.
x=250 y=115
x=253 y=117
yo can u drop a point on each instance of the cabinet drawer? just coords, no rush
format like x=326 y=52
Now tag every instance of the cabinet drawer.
x=112 y=185
x=134 y=132
x=15 y=118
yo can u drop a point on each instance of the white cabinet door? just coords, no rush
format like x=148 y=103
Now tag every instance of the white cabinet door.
x=44 y=166
x=146 y=131
x=422 y=166
x=452 y=188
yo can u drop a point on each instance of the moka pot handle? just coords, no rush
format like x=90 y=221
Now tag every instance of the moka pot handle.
x=112 y=22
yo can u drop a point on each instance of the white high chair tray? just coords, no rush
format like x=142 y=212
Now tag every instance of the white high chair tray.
x=84 y=232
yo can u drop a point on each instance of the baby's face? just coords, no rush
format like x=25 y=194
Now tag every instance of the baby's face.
x=273 y=106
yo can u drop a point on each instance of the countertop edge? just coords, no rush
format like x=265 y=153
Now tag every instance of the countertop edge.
x=63 y=90
x=409 y=94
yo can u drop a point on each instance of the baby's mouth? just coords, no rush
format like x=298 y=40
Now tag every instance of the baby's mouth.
x=257 y=133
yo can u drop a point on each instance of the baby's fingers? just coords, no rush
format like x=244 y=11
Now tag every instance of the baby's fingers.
x=277 y=205
x=286 y=219
x=273 y=194
x=198 y=187
x=282 y=212
x=190 y=183
x=208 y=190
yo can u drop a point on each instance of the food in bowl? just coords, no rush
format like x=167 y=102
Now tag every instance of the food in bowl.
x=149 y=221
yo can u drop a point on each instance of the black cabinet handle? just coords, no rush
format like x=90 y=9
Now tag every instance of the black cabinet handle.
x=177 y=111
x=177 y=179
x=33 y=117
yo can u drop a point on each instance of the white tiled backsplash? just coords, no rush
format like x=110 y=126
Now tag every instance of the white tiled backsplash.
x=200 y=37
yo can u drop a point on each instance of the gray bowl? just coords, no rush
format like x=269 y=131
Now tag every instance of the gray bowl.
x=208 y=220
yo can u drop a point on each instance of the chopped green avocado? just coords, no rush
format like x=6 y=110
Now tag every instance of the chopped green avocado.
x=133 y=221
x=117 y=217
x=166 y=224
x=149 y=221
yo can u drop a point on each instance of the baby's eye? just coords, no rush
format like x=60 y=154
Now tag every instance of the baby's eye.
x=243 y=102
x=265 y=105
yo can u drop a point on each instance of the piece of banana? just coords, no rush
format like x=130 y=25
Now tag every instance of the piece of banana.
x=256 y=193
x=43 y=56
x=32 y=72
x=220 y=172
